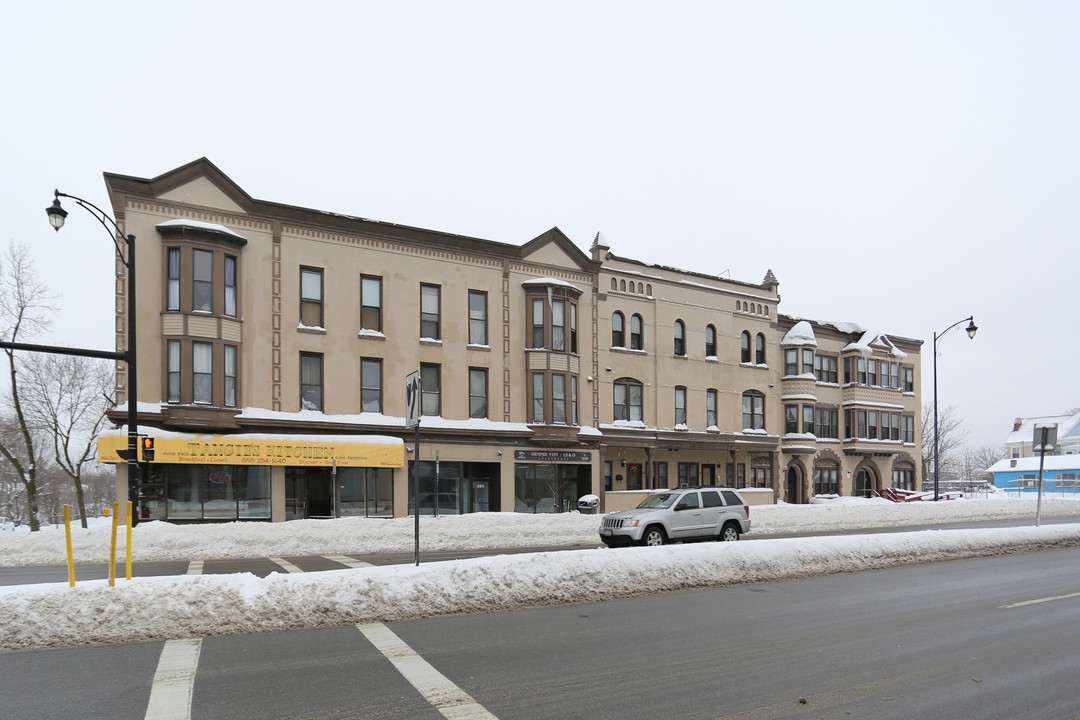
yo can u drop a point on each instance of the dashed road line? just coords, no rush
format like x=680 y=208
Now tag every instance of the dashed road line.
x=174 y=680
x=446 y=697
x=195 y=567
x=348 y=561
x=1041 y=600
x=286 y=565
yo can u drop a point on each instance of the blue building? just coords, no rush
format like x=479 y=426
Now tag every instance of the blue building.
x=1061 y=474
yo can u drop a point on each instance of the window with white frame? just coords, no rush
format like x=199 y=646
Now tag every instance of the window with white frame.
x=311 y=381
x=371 y=385
x=230 y=376
x=430 y=389
x=371 y=303
x=478 y=392
x=477 y=318
x=430 y=312
x=311 y=297
x=202 y=365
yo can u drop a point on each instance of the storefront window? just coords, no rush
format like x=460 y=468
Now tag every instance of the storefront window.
x=439 y=494
x=548 y=488
x=217 y=492
x=365 y=492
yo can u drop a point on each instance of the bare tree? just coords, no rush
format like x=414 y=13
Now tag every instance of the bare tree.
x=25 y=310
x=974 y=462
x=950 y=439
x=67 y=397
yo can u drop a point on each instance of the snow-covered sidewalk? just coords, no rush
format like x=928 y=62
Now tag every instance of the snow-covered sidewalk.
x=92 y=612
x=481 y=531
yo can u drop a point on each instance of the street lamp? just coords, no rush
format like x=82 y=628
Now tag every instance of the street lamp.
x=971 y=330
x=57 y=215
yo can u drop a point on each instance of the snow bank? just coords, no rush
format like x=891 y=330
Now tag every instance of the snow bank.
x=155 y=541
x=199 y=606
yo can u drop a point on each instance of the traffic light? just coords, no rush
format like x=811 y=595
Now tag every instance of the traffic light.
x=148 y=449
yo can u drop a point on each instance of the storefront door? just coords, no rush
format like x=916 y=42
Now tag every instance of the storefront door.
x=308 y=493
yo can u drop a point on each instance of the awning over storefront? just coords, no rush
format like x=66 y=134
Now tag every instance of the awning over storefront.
x=261 y=449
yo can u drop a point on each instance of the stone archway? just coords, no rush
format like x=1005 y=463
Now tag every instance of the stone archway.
x=867 y=482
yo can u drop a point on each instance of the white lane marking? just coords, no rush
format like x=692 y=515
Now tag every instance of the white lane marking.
x=348 y=561
x=286 y=565
x=453 y=702
x=174 y=680
x=1042 y=600
x=195 y=567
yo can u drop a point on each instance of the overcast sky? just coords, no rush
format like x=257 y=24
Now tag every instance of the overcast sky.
x=903 y=165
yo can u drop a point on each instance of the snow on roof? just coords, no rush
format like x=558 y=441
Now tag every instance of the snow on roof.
x=549 y=281
x=801 y=334
x=870 y=339
x=199 y=224
x=1031 y=464
x=1026 y=432
x=847 y=327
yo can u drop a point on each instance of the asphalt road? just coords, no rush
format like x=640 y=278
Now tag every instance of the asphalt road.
x=988 y=638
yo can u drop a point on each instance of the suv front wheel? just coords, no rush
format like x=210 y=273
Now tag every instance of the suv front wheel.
x=653 y=536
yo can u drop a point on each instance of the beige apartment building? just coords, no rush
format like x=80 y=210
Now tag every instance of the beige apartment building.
x=276 y=344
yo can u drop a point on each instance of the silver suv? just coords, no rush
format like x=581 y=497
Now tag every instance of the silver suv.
x=698 y=513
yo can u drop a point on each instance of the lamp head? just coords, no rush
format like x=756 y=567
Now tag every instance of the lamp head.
x=56 y=214
x=971 y=328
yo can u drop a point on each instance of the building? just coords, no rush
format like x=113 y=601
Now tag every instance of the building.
x=276 y=343
x=1060 y=474
x=1021 y=440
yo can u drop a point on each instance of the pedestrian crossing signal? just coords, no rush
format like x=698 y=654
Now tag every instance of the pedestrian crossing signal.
x=148 y=449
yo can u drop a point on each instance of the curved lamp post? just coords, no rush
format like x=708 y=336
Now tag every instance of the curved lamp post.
x=57 y=215
x=971 y=330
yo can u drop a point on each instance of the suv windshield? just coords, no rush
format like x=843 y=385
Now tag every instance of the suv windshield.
x=659 y=500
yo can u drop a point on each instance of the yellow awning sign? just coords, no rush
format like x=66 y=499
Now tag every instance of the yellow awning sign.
x=285 y=450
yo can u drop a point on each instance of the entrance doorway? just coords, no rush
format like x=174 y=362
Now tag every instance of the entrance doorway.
x=794 y=485
x=309 y=493
x=865 y=483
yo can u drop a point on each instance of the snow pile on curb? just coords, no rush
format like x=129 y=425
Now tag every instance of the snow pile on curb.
x=156 y=541
x=199 y=606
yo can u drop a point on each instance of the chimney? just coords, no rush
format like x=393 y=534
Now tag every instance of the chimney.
x=1017 y=423
x=599 y=247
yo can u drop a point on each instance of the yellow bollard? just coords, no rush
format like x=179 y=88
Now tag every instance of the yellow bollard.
x=129 y=541
x=71 y=557
x=112 y=552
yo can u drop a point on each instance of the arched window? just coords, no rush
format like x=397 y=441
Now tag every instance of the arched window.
x=759 y=349
x=636 y=329
x=648 y=289
x=618 y=330
x=622 y=285
x=753 y=410
x=614 y=284
x=766 y=311
x=745 y=341
x=627 y=395
x=680 y=338
x=710 y=341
